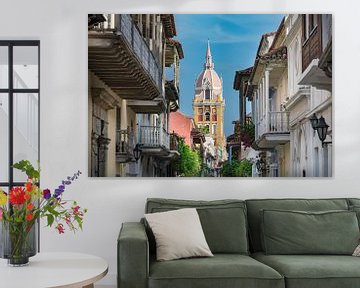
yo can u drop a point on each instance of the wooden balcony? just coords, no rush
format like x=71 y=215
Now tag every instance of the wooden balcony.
x=311 y=48
x=316 y=66
x=155 y=106
x=173 y=54
x=125 y=144
x=119 y=56
x=172 y=95
x=276 y=132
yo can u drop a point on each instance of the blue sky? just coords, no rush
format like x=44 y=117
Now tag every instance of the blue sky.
x=234 y=39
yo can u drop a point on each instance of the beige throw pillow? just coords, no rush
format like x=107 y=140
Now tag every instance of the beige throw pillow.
x=178 y=234
x=357 y=251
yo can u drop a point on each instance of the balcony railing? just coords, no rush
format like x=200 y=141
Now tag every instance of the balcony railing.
x=154 y=137
x=278 y=123
x=125 y=144
x=125 y=26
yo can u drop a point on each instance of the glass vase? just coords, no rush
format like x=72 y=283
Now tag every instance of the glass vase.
x=18 y=242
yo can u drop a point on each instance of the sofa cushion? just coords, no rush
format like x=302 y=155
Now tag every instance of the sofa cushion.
x=297 y=232
x=353 y=201
x=222 y=270
x=254 y=217
x=223 y=221
x=313 y=271
x=178 y=234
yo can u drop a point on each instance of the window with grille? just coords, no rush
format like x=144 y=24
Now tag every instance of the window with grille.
x=19 y=108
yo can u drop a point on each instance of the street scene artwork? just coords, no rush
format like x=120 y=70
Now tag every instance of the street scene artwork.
x=210 y=95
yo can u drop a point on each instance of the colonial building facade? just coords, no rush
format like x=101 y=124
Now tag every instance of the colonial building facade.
x=129 y=96
x=310 y=94
x=209 y=106
x=269 y=90
x=290 y=91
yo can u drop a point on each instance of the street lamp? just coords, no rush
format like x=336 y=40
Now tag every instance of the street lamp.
x=137 y=152
x=322 y=128
x=319 y=124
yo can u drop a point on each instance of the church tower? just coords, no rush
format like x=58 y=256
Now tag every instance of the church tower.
x=208 y=102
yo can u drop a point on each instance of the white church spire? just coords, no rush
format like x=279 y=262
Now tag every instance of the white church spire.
x=208 y=64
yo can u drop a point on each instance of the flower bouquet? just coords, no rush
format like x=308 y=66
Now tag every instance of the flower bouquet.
x=21 y=208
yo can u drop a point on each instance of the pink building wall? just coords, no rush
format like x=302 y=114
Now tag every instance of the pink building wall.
x=181 y=125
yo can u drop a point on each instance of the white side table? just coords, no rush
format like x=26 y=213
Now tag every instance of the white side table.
x=50 y=270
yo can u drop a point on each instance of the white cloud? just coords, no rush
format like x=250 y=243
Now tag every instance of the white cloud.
x=219 y=35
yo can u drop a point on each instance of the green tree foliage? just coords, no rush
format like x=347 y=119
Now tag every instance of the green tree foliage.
x=247 y=134
x=245 y=168
x=189 y=163
x=205 y=129
x=237 y=168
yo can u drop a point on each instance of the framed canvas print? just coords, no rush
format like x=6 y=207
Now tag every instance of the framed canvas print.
x=210 y=95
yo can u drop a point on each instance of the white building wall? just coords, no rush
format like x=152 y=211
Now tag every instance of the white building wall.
x=308 y=157
x=63 y=34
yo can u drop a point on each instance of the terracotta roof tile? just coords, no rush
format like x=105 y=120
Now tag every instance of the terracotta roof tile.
x=177 y=45
x=275 y=54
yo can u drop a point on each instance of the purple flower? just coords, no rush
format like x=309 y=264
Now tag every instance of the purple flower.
x=58 y=191
x=46 y=194
x=68 y=181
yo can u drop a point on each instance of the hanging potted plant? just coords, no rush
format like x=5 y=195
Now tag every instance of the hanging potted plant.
x=21 y=208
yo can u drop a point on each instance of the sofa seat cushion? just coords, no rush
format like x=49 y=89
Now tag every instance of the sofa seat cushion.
x=313 y=271
x=222 y=270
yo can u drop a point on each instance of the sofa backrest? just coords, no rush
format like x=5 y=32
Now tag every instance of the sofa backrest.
x=223 y=221
x=256 y=205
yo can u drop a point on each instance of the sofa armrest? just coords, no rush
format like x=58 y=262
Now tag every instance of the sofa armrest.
x=133 y=256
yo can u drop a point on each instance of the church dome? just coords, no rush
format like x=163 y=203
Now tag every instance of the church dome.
x=208 y=77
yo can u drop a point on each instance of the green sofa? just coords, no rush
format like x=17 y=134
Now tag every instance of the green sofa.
x=256 y=244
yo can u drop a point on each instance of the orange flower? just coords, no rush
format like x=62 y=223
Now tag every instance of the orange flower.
x=29 y=206
x=29 y=217
x=17 y=196
x=29 y=186
x=27 y=196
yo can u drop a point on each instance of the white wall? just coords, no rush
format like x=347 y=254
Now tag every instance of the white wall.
x=62 y=28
